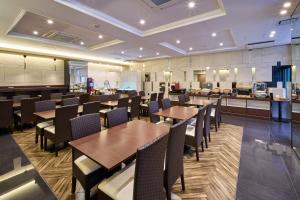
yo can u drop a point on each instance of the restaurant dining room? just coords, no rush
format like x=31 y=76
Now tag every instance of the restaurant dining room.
x=149 y=100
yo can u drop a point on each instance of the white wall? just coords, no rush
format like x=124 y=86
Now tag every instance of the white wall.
x=39 y=70
x=243 y=60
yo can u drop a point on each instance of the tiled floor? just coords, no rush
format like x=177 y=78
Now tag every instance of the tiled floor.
x=269 y=168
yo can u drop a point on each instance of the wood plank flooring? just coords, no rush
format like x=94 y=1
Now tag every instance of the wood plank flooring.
x=213 y=177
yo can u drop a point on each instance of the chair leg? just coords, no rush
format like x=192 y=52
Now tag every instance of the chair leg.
x=36 y=137
x=182 y=182
x=209 y=136
x=202 y=146
x=197 y=153
x=168 y=193
x=216 y=126
x=55 y=150
x=41 y=139
x=205 y=140
x=45 y=143
x=73 y=184
x=87 y=194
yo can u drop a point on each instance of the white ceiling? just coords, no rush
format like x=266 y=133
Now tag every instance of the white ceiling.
x=236 y=22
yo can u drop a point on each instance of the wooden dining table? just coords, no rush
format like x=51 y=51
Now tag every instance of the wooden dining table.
x=50 y=114
x=199 y=102
x=112 y=146
x=178 y=112
x=110 y=104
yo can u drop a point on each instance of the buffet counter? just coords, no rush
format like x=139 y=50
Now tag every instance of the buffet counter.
x=240 y=106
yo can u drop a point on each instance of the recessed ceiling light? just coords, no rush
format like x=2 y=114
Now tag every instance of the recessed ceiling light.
x=141 y=48
x=81 y=43
x=271 y=35
x=287 y=4
x=291 y=29
x=100 y=36
x=221 y=44
x=157 y=53
x=191 y=48
x=50 y=21
x=140 y=56
x=283 y=12
x=273 y=32
x=191 y=4
x=142 y=22
x=214 y=34
x=122 y=52
x=35 y=32
x=178 y=41
x=207 y=68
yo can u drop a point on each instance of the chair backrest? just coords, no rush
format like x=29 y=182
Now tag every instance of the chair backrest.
x=181 y=99
x=27 y=109
x=115 y=97
x=142 y=93
x=207 y=119
x=83 y=126
x=62 y=124
x=199 y=126
x=91 y=107
x=117 y=116
x=56 y=95
x=70 y=101
x=45 y=95
x=174 y=155
x=3 y=98
x=153 y=96
x=123 y=102
x=149 y=171
x=18 y=98
x=153 y=108
x=46 y=105
x=101 y=98
x=166 y=103
x=67 y=96
x=84 y=98
x=6 y=113
x=160 y=98
x=218 y=108
x=186 y=97
x=135 y=106
x=132 y=94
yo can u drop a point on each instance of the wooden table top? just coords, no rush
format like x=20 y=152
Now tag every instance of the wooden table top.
x=145 y=98
x=110 y=103
x=112 y=146
x=16 y=105
x=178 y=112
x=50 y=114
x=199 y=102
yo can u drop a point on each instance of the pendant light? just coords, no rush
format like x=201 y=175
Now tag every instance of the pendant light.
x=54 y=63
x=24 y=61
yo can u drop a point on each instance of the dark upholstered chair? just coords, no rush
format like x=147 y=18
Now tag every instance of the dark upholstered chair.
x=123 y=102
x=6 y=114
x=3 y=98
x=194 y=134
x=142 y=93
x=85 y=170
x=153 y=108
x=166 y=103
x=181 y=99
x=115 y=97
x=153 y=97
x=67 y=96
x=91 y=107
x=134 y=110
x=216 y=114
x=117 y=116
x=207 y=123
x=144 y=106
x=160 y=98
x=174 y=157
x=41 y=106
x=45 y=95
x=60 y=132
x=186 y=97
x=103 y=98
x=18 y=98
x=25 y=115
x=84 y=98
x=142 y=181
x=132 y=94
x=56 y=95
x=70 y=101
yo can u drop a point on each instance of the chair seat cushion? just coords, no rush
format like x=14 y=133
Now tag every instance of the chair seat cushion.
x=18 y=113
x=104 y=111
x=119 y=185
x=192 y=121
x=43 y=125
x=86 y=165
x=190 y=130
x=50 y=129
x=213 y=112
x=144 y=105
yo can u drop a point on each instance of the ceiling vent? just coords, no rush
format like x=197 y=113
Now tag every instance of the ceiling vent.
x=259 y=45
x=61 y=37
x=161 y=3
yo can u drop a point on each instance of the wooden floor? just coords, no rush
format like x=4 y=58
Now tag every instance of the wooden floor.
x=213 y=177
